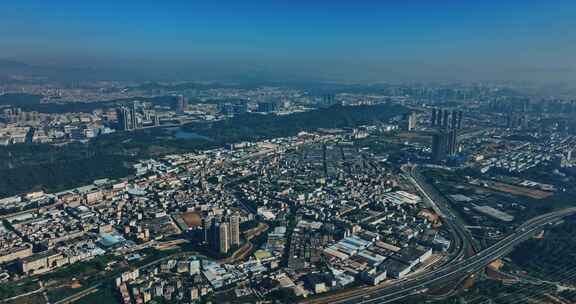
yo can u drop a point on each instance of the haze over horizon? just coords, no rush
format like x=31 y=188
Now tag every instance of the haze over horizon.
x=330 y=40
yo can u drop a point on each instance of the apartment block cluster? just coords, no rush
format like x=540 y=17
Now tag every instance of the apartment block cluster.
x=137 y=107
x=12 y=246
x=336 y=189
x=222 y=234
x=20 y=127
x=116 y=216
x=447 y=123
x=523 y=156
x=309 y=194
x=172 y=280
x=189 y=279
x=138 y=116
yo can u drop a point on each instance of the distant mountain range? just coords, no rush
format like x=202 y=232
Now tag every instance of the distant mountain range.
x=244 y=75
x=22 y=72
x=16 y=71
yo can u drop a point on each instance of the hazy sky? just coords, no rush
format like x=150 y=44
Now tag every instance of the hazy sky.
x=354 y=39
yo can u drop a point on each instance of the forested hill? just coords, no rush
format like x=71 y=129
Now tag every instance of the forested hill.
x=550 y=257
x=257 y=127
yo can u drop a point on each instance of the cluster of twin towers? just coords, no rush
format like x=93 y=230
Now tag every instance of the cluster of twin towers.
x=442 y=119
x=222 y=234
x=445 y=139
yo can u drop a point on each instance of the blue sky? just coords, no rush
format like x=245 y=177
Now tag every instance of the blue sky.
x=340 y=39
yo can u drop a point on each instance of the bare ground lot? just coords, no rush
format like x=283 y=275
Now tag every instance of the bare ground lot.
x=517 y=190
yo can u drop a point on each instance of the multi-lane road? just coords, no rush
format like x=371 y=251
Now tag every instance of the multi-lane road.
x=457 y=265
x=408 y=287
x=463 y=242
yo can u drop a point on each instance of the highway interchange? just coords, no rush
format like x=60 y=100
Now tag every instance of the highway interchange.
x=460 y=261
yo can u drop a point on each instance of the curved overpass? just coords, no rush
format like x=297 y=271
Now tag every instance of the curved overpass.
x=413 y=285
x=457 y=265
